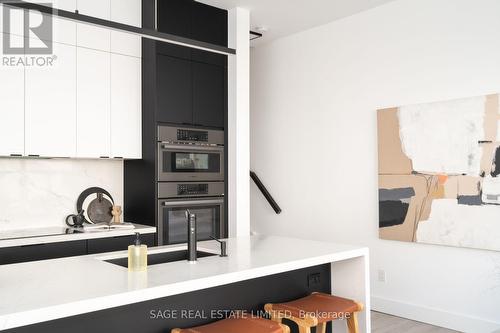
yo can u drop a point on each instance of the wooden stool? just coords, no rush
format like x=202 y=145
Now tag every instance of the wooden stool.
x=316 y=309
x=238 y=325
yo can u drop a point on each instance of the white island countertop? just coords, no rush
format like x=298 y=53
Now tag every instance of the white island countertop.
x=40 y=291
x=32 y=236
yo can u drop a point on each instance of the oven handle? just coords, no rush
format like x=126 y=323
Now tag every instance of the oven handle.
x=191 y=147
x=192 y=202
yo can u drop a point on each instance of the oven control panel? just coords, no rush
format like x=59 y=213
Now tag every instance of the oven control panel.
x=192 y=189
x=190 y=135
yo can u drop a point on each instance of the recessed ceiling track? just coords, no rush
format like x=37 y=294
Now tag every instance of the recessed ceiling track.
x=146 y=33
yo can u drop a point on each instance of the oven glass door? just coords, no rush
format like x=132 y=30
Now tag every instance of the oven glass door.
x=189 y=163
x=209 y=221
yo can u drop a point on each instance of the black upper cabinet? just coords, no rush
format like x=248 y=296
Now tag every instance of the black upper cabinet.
x=208 y=94
x=208 y=57
x=191 y=83
x=174 y=17
x=191 y=19
x=175 y=102
x=191 y=86
x=209 y=24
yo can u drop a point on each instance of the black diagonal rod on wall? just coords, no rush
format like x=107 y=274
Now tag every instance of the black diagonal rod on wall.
x=265 y=192
x=146 y=33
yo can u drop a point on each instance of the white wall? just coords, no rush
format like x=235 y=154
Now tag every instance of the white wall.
x=314 y=97
x=41 y=192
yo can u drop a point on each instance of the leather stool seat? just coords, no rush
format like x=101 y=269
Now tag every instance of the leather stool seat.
x=316 y=309
x=321 y=306
x=238 y=325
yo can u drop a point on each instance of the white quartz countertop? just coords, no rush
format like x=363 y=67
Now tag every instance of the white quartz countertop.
x=40 y=291
x=24 y=237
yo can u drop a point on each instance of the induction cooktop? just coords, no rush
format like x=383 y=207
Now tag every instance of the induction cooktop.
x=38 y=232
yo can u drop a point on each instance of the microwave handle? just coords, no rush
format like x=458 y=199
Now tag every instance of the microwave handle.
x=192 y=202
x=191 y=147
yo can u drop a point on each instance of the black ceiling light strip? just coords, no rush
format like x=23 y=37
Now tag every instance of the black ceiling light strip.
x=147 y=33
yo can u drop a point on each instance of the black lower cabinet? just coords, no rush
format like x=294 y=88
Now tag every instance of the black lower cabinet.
x=197 y=307
x=16 y=254
x=121 y=243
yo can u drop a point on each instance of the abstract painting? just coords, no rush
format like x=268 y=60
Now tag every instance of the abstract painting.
x=439 y=173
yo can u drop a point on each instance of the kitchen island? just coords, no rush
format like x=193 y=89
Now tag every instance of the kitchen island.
x=88 y=293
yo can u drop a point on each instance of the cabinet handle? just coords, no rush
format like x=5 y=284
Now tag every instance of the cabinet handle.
x=193 y=203
x=33 y=245
x=190 y=148
x=33 y=155
x=156 y=14
x=103 y=156
x=16 y=155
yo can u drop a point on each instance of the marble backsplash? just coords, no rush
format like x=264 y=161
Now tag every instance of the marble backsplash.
x=42 y=192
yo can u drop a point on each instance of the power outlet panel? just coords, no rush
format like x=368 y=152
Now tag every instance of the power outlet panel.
x=381 y=276
x=313 y=279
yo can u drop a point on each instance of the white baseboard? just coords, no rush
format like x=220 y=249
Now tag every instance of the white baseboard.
x=438 y=317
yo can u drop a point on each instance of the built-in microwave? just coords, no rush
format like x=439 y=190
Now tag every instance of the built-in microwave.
x=190 y=154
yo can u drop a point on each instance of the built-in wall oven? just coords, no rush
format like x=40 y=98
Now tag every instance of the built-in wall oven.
x=190 y=154
x=190 y=177
x=204 y=199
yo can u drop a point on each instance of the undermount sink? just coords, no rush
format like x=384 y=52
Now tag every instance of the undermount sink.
x=161 y=258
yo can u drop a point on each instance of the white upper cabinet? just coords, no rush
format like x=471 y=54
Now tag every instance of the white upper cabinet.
x=91 y=36
x=126 y=107
x=15 y=17
x=50 y=106
x=126 y=12
x=63 y=31
x=12 y=110
x=87 y=104
x=93 y=103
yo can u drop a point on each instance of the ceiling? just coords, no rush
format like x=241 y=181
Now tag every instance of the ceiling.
x=285 y=17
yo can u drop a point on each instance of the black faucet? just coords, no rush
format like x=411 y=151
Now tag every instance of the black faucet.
x=223 y=246
x=192 y=241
